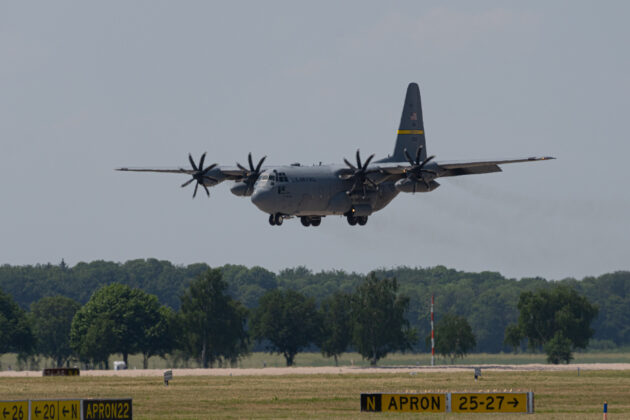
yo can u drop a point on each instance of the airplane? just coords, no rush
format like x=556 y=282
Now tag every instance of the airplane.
x=354 y=191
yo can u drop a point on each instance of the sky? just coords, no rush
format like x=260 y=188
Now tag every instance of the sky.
x=86 y=87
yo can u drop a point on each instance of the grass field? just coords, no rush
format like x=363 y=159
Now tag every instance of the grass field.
x=258 y=360
x=558 y=395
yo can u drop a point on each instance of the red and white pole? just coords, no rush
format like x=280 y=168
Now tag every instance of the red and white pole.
x=432 y=334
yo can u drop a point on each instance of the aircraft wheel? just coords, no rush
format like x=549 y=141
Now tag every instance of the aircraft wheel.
x=278 y=219
x=306 y=221
x=352 y=220
x=316 y=222
x=362 y=220
x=272 y=220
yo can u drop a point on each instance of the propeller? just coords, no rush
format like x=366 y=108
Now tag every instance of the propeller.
x=417 y=171
x=200 y=174
x=359 y=174
x=250 y=176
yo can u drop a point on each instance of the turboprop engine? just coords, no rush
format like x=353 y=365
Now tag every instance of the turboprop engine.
x=242 y=189
x=411 y=186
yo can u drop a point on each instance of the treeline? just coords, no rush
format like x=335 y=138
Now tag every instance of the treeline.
x=210 y=327
x=487 y=300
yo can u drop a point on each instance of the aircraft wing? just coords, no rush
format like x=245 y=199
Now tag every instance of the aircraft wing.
x=456 y=168
x=221 y=173
x=168 y=171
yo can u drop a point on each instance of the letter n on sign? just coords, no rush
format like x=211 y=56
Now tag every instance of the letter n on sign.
x=371 y=402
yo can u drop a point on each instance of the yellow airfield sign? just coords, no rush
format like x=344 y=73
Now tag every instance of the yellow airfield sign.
x=489 y=402
x=10 y=410
x=55 y=410
x=69 y=409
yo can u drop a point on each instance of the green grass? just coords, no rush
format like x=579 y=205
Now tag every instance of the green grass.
x=258 y=360
x=558 y=395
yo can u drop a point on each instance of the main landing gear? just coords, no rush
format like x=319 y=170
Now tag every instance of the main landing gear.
x=276 y=219
x=310 y=221
x=361 y=220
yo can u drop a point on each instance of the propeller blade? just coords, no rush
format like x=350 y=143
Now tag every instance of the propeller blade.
x=418 y=153
x=359 y=160
x=260 y=164
x=349 y=164
x=195 y=193
x=251 y=163
x=241 y=167
x=187 y=182
x=205 y=188
x=203 y=158
x=426 y=161
x=209 y=168
x=192 y=162
x=367 y=162
x=408 y=157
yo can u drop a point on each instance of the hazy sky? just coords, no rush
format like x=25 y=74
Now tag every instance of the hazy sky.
x=86 y=87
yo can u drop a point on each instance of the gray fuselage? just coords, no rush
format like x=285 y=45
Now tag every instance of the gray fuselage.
x=315 y=191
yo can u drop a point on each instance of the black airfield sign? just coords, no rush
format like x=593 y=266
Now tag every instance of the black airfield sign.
x=107 y=409
x=410 y=403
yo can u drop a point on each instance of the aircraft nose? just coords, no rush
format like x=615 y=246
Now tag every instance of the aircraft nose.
x=261 y=199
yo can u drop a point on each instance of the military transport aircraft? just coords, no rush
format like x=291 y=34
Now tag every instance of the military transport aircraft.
x=352 y=190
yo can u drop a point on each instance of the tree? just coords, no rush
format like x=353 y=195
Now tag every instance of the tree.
x=214 y=323
x=51 y=319
x=544 y=314
x=379 y=323
x=558 y=349
x=513 y=337
x=453 y=337
x=15 y=330
x=92 y=338
x=121 y=316
x=288 y=321
x=158 y=337
x=336 y=327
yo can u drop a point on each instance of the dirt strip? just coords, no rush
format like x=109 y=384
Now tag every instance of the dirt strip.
x=331 y=370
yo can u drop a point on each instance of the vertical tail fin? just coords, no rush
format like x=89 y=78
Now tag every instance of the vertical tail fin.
x=411 y=129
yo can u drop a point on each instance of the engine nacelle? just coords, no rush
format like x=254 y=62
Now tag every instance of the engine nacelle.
x=242 y=189
x=409 y=186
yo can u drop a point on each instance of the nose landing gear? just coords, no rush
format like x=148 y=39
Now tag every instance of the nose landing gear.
x=276 y=219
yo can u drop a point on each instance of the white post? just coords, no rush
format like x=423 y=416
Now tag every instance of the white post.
x=432 y=334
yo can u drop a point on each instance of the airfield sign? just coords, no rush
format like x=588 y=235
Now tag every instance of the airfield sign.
x=490 y=402
x=450 y=402
x=81 y=409
x=10 y=410
x=404 y=403
x=55 y=410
